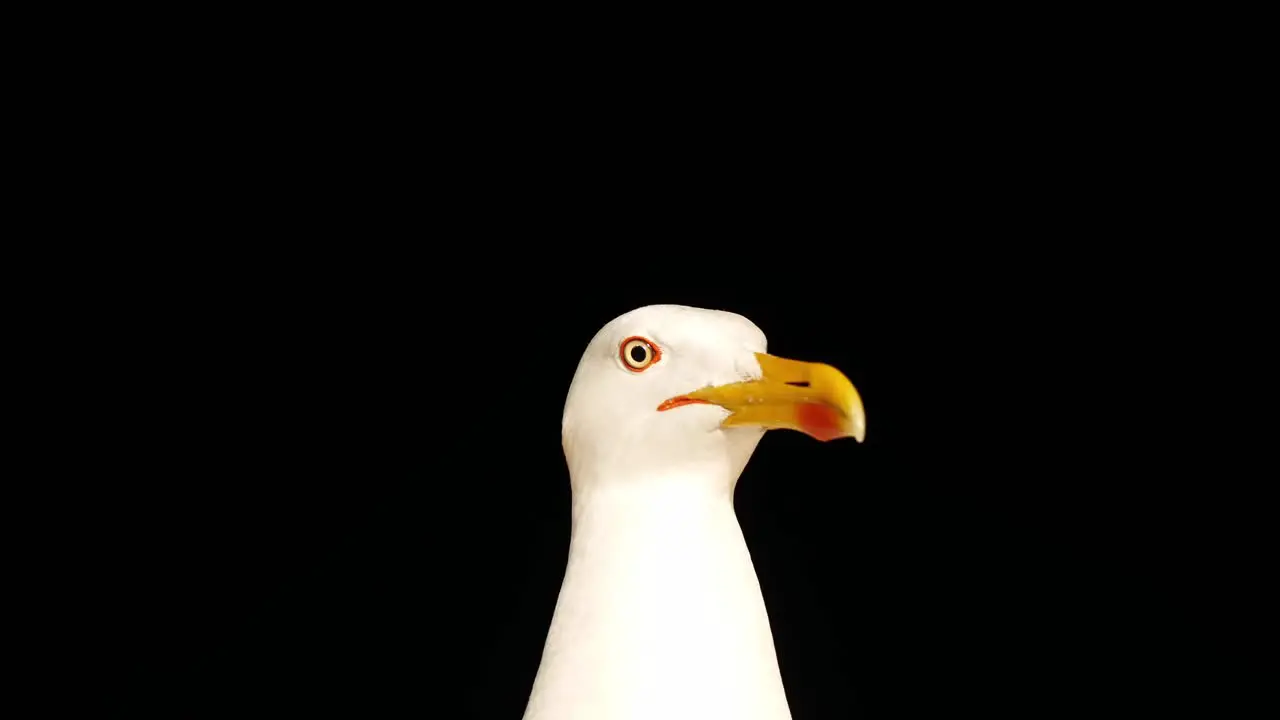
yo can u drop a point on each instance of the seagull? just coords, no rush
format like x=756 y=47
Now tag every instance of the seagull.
x=660 y=614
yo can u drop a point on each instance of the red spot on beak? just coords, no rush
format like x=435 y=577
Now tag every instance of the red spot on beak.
x=819 y=421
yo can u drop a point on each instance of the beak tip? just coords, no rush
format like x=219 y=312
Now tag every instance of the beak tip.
x=858 y=432
x=858 y=423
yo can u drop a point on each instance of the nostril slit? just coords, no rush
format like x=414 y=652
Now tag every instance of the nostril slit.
x=800 y=383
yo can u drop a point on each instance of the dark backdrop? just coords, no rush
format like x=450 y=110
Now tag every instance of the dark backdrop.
x=331 y=410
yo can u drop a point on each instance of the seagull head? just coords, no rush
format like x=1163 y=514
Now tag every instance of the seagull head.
x=670 y=388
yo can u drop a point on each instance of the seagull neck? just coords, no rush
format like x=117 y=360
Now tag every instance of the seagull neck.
x=660 y=613
x=656 y=494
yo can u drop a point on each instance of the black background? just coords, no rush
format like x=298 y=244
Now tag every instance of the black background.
x=332 y=406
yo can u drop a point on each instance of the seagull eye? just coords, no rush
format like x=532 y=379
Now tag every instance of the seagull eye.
x=638 y=353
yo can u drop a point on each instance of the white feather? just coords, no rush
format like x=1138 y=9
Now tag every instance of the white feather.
x=660 y=614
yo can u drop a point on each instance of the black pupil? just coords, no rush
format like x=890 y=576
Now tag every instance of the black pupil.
x=639 y=353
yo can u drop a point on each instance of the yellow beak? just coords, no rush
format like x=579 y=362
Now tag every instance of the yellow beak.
x=813 y=398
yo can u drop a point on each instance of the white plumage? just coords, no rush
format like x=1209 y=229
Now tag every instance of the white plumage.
x=660 y=615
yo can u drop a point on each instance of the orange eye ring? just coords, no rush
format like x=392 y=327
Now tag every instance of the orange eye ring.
x=638 y=354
